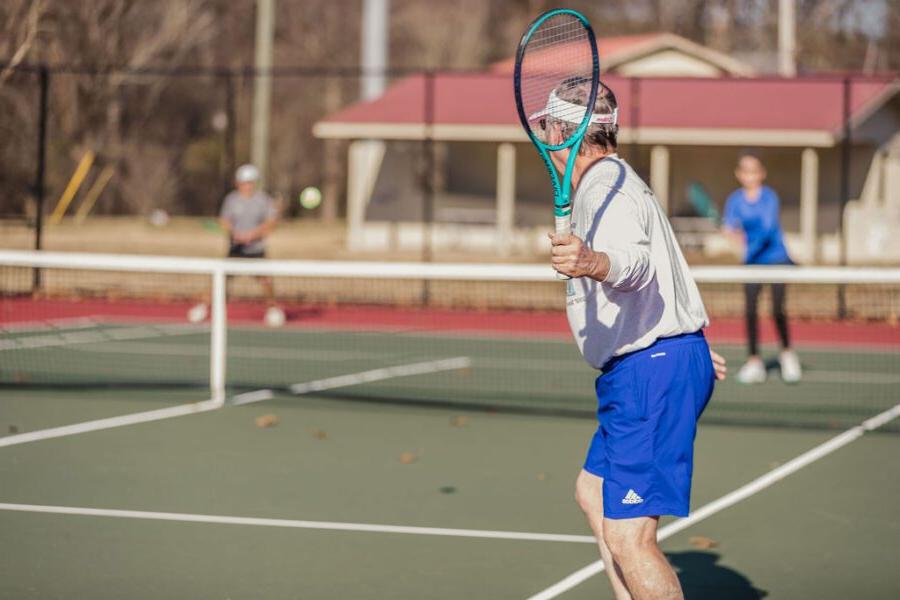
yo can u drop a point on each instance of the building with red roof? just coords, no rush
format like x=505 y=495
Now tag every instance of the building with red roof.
x=677 y=132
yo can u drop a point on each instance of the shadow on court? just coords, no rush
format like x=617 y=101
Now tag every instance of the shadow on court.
x=703 y=578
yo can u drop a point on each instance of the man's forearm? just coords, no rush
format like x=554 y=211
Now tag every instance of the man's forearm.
x=599 y=269
x=263 y=230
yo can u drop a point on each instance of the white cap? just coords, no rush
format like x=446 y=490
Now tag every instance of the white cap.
x=573 y=113
x=246 y=173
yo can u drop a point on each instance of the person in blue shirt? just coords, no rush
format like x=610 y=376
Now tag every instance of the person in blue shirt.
x=752 y=215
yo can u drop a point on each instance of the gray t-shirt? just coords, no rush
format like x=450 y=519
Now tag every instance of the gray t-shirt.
x=246 y=214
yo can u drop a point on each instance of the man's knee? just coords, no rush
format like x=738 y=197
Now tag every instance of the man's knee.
x=588 y=494
x=629 y=539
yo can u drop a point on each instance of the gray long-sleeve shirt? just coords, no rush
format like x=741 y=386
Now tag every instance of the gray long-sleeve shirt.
x=649 y=292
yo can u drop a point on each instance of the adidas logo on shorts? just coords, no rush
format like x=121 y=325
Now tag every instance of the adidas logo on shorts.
x=632 y=498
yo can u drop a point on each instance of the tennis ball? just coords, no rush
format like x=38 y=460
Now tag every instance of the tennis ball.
x=275 y=317
x=310 y=197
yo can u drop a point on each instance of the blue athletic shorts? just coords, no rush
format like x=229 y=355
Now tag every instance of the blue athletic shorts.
x=649 y=402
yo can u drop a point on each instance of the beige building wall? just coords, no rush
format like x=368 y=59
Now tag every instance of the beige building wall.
x=668 y=63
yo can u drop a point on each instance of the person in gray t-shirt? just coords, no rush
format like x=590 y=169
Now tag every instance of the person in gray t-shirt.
x=248 y=215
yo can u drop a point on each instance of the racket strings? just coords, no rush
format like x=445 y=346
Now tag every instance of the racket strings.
x=558 y=57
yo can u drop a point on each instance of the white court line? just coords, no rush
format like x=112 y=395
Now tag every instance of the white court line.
x=732 y=498
x=851 y=377
x=298 y=524
x=91 y=337
x=250 y=352
x=110 y=423
x=54 y=324
x=318 y=385
x=249 y=397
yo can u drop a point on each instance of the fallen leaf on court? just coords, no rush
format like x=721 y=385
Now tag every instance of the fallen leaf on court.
x=541 y=476
x=459 y=421
x=408 y=458
x=13 y=429
x=320 y=434
x=698 y=541
x=264 y=421
x=448 y=489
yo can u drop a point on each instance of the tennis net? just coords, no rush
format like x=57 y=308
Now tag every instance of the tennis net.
x=489 y=337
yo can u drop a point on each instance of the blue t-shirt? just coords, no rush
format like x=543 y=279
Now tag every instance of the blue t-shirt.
x=761 y=226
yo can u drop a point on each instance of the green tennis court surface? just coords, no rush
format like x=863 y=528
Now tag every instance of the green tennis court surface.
x=815 y=535
x=339 y=456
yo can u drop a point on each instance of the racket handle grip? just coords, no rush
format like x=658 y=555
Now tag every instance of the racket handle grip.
x=563 y=225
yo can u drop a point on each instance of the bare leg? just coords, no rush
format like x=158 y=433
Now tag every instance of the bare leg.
x=644 y=567
x=589 y=495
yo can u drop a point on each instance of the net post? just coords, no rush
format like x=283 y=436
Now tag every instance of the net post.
x=218 y=331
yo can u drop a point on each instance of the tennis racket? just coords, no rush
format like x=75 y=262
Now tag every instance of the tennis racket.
x=557 y=52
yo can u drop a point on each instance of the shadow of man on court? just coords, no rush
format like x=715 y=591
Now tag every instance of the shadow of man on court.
x=703 y=579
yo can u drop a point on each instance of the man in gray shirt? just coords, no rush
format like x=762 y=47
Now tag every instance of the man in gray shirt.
x=248 y=215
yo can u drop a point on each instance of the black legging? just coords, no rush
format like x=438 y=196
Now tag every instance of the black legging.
x=751 y=302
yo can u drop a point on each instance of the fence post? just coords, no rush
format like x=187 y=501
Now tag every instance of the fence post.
x=228 y=147
x=44 y=76
x=845 y=192
x=428 y=180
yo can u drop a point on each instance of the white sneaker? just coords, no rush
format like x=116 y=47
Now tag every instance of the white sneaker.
x=274 y=317
x=198 y=313
x=791 y=372
x=753 y=371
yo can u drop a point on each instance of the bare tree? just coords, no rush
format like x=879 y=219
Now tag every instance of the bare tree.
x=21 y=21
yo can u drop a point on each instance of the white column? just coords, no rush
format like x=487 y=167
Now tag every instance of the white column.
x=659 y=175
x=809 y=202
x=364 y=159
x=262 y=88
x=373 y=48
x=356 y=202
x=787 y=34
x=506 y=196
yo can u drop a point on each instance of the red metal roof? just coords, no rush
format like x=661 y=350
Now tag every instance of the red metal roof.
x=746 y=103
